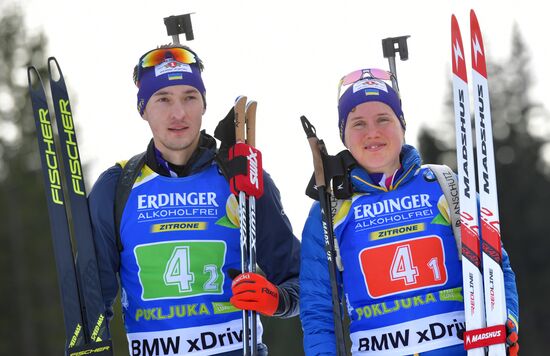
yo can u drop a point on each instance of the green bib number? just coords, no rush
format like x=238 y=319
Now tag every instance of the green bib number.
x=180 y=269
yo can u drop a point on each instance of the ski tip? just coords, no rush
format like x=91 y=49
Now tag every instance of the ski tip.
x=474 y=25
x=477 y=48
x=473 y=16
x=32 y=72
x=457 y=49
x=54 y=70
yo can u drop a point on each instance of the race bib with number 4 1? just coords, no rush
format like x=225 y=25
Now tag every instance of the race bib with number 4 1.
x=403 y=266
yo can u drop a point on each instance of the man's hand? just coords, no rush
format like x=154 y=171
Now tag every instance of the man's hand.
x=252 y=291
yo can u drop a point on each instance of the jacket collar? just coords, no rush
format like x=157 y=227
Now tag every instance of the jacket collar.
x=410 y=162
x=199 y=160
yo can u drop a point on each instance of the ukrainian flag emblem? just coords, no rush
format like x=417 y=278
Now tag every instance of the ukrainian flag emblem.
x=369 y=92
x=175 y=76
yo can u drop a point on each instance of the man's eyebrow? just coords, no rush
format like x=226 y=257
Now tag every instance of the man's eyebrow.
x=162 y=92
x=188 y=91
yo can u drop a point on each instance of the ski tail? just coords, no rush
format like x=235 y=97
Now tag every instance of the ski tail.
x=495 y=301
x=471 y=256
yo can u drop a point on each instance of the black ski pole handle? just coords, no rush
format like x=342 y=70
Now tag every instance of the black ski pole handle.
x=318 y=168
x=309 y=129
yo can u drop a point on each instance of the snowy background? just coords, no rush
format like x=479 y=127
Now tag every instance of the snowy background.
x=287 y=55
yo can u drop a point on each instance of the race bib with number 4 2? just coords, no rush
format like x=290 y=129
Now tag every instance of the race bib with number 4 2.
x=179 y=269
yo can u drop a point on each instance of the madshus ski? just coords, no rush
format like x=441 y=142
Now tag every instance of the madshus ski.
x=83 y=308
x=483 y=279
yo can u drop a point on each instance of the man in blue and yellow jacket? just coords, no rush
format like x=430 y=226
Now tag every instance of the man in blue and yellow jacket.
x=178 y=235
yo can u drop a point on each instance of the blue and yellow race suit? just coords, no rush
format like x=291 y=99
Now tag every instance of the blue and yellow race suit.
x=402 y=277
x=180 y=237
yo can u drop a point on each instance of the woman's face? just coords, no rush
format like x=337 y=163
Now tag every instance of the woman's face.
x=374 y=136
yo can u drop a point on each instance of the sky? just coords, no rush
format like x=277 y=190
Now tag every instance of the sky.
x=287 y=55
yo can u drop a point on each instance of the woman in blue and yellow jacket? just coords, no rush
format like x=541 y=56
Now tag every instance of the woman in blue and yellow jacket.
x=401 y=273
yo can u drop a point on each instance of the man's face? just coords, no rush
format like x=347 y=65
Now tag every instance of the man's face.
x=174 y=114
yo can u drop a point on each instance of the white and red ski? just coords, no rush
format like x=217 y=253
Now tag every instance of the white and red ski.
x=472 y=277
x=493 y=277
x=482 y=275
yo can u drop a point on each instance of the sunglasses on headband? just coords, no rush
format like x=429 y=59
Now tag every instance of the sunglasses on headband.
x=355 y=76
x=159 y=55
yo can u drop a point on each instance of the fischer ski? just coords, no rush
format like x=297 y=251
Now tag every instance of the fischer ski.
x=247 y=187
x=82 y=303
x=482 y=271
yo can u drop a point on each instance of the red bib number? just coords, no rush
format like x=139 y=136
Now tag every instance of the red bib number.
x=403 y=266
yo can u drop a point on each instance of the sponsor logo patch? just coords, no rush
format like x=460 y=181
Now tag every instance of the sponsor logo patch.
x=171 y=66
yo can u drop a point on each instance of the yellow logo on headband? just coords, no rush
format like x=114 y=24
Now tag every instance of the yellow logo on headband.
x=140 y=105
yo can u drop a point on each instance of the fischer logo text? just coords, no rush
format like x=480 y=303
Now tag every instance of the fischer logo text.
x=77 y=179
x=50 y=156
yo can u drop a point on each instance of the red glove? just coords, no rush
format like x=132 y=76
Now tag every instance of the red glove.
x=512 y=337
x=252 y=291
x=251 y=181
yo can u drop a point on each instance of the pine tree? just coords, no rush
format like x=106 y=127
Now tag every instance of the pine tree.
x=30 y=318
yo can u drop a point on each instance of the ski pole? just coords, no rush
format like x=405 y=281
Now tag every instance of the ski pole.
x=317 y=148
x=248 y=187
x=240 y=138
x=250 y=117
